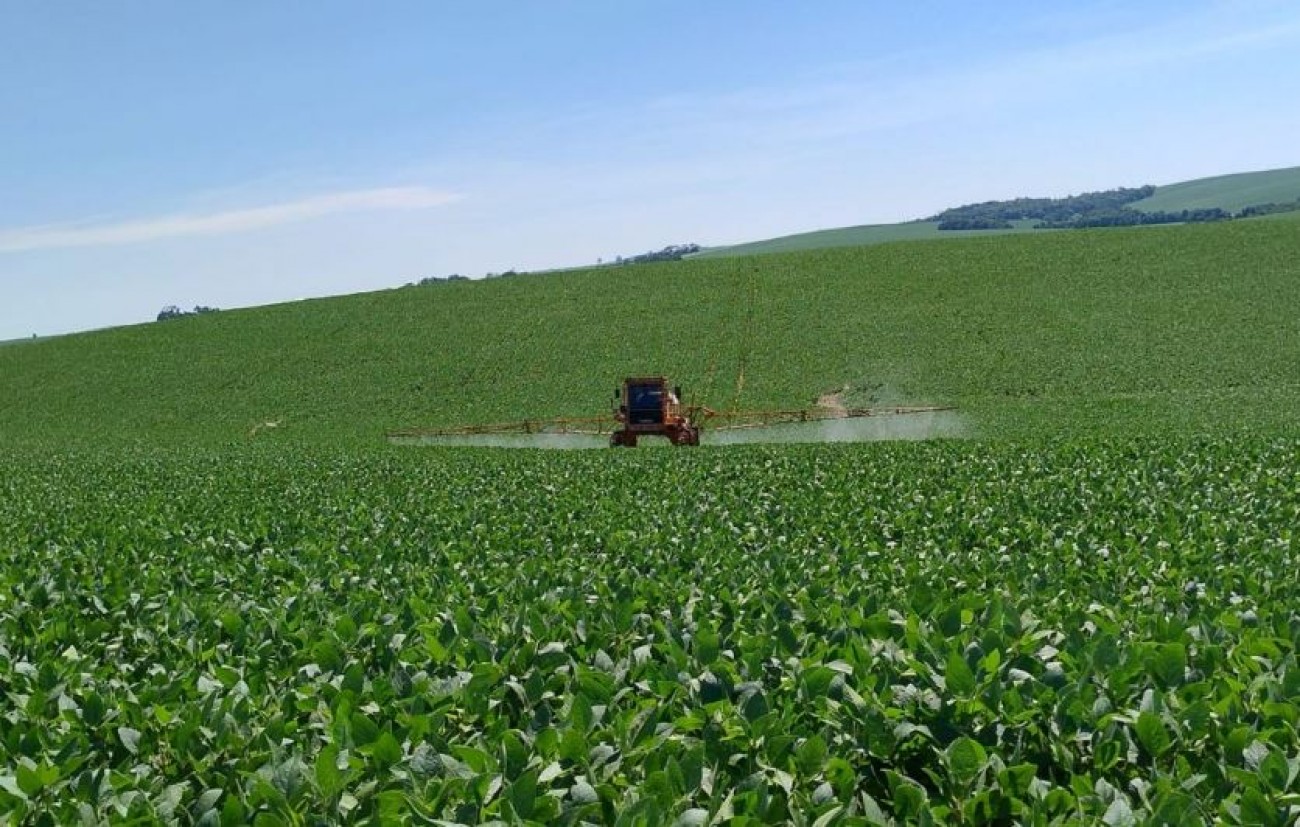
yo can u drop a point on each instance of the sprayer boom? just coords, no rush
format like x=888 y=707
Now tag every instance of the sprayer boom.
x=647 y=406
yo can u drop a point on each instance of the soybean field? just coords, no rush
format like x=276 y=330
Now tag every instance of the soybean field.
x=1100 y=631
x=226 y=600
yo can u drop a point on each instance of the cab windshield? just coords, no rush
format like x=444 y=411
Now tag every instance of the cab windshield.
x=645 y=403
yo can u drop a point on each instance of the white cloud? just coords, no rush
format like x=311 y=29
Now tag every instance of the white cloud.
x=220 y=223
x=884 y=94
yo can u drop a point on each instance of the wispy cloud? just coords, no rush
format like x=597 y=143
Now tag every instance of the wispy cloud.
x=884 y=93
x=225 y=222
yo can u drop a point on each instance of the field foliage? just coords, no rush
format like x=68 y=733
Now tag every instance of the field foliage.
x=906 y=634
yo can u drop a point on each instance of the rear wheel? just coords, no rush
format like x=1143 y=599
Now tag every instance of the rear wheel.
x=622 y=439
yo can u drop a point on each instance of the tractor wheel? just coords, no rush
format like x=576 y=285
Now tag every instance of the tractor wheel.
x=686 y=436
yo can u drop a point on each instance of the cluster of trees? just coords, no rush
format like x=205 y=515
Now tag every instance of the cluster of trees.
x=429 y=280
x=673 y=252
x=1133 y=218
x=171 y=311
x=1109 y=208
x=974 y=223
x=990 y=215
x=1269 y=209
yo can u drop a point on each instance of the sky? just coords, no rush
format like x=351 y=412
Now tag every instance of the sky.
x=156 y=153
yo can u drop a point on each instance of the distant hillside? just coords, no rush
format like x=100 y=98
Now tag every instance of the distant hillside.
x=850 y=237
x=1183 y=328
x=1229 y=193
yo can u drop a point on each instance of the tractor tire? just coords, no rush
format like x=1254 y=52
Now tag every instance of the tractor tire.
x=686 y=436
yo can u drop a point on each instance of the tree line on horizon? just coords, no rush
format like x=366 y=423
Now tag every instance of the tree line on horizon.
x=673 y=252
x=171 y=311
x=1106 y=208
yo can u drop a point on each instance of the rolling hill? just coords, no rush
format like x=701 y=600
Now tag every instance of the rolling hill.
x=1188 y=328
x=1227 y=192
x=851 y=237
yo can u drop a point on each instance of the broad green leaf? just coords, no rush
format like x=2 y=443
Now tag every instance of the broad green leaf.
x=1174 y=809
x=1257 y=809
x=706 y=644
x=29 y=780
x=958 y=677
x=130 y=739
x=9 y=783
x=364 y=730
x=233 y=812
x=693 y=817
x=966 y=758
x=1119 y=813
x=810 y=756
x=386 y=750
x=583 y=793
x=93 y=709
x=817 y=680
x=1152 y=734
x=1168 y=663
x=328 y=776
x=909 y=798
x=523 y=793
x=1274 y=771
x=827 y=818
x=206 y=801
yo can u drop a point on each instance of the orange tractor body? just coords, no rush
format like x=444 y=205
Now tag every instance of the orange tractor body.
x=646 y=406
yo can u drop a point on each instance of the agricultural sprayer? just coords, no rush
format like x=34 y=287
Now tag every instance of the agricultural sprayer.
x=648 y=406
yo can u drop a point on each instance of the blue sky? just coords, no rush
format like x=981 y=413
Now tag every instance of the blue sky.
x=241 y=153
